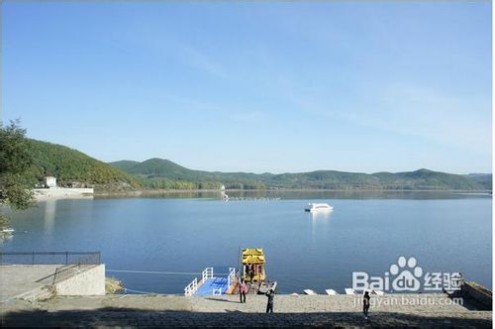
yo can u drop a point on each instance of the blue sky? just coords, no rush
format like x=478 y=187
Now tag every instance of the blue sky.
x=256 y=87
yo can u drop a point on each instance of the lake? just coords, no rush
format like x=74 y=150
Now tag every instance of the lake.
x=157 y=244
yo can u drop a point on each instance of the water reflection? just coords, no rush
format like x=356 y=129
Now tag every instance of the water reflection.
x=318 y=220
x=49 y=214
x=6 y=232
x=6 y=237
x=322 y=215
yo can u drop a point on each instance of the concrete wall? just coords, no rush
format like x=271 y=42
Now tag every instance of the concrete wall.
x=477 y=292
x=90 y=281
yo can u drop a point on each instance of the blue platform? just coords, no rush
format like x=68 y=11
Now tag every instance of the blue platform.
x=213 y=285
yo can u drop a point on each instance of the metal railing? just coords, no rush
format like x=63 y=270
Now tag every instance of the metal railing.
x=65 y=257
x=191 y=288
x=231 y=277
x=207 y=273
x=67 y=271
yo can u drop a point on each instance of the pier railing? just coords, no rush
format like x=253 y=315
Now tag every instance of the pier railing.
x=64 y=257
x=207 y=273
x=191 y=288
x=231 y=277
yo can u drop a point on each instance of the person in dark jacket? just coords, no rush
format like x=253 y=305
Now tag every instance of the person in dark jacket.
x=269 y=306
x=366 y=304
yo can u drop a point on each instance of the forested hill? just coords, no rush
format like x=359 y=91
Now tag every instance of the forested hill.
x=160 y=173
x=73 y=167
x=165 y=174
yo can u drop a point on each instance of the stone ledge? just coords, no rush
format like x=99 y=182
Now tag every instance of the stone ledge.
x=478 y=293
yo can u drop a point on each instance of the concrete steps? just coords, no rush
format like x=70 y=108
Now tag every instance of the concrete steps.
x=40 y=293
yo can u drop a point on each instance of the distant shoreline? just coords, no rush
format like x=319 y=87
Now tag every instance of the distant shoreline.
x=73 y=193
x=154 y=192
x=56 y=193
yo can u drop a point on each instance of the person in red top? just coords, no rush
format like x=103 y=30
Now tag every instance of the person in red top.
x=242 y=291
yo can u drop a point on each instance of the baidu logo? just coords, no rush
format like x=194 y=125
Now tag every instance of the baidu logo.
x=405 y=275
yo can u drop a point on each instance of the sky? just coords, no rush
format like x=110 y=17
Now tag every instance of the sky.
x=255 y=87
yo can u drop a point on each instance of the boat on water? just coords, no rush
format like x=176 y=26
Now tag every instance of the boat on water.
x=253 y=270
x=350 y=291
x=310 y=292
x=8 y=230
x=318 y=207
x=374 y=292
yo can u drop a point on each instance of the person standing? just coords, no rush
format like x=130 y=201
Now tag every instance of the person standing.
x=251 y=273
x=269 y=306
x=243 y=291
x=366 y=304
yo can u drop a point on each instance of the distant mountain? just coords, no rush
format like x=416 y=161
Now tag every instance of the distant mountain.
x=73 y=167
x=424 y=179
x=484 y=180
x=153 y=167
x=125 y=165
x=160 y=173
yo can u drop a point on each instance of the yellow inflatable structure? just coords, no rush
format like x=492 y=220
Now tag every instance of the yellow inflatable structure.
x=253 y=264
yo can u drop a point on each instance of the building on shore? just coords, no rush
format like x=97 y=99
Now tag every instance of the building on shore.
x=50 y=190
x=50 y=181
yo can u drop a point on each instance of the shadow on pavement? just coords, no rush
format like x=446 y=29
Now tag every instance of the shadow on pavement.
x=111 y=317
x=222 y=300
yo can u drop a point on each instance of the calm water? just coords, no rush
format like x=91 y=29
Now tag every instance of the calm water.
x=446 y=233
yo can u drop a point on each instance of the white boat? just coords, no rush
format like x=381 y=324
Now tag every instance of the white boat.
x=350 y=291
x=331 y=292
x=310 y=292
x=317 y=207
x=266 y=286
x=7 y=230
x=374 y=292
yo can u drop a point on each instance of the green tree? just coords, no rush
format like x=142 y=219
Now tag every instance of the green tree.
x=15 y=160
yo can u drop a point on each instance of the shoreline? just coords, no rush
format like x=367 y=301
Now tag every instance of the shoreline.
x=163 y=191
x=73 y=193
x=57 y=193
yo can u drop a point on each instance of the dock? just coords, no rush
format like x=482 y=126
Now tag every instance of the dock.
x=213 y=286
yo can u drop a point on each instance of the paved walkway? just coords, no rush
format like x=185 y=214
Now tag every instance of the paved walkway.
x=225 y=311
x=18 y=279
